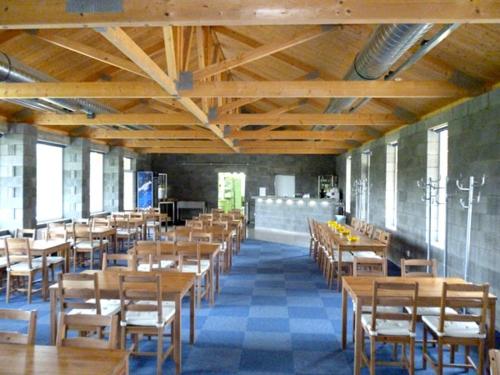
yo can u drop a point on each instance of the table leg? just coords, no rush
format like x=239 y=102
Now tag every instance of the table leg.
x=344 y=318
x=53 y=315
x=45 y=277
x=358 y=340
x=339 y=270
x=192 y=319
x=217 y=272
x=177 y=339
x=67 y=251
x=212 y=284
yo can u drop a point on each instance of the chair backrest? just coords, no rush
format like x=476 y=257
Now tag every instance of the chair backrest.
x=217 y=211
x=145 y=250
x=369 y=230
x=18 y=250
x=88 y=323
x=82 y=232
x=179 y=234
x=25 y=233
x=463 y=297
x=135 y=289
x=194 y=224
x=206 y=216
x=121 y=223
x=189 y=253
x=366 y=266
x=127 y=262
x=418 y=268
x=385 y=238
x=56 y=231
x=220 y=224
x=14 y=337
x=354 y=222
x=377 y=233
x=394 y=294
x=200 y=236
x=79 y=291
x=101 y=222
x=362 y=226
x=137 y=214
x=219 y=235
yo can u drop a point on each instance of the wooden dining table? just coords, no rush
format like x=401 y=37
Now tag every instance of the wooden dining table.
x=360 y=290
x=19 y=359
x=45 y=248
x=175 y=286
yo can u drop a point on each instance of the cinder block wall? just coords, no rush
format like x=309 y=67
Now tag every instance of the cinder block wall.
x=473 y=149
x=194 y=177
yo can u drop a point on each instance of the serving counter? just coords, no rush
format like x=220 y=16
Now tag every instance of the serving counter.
x=290 y=214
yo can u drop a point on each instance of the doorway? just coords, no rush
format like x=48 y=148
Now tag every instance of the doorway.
x=231 y=190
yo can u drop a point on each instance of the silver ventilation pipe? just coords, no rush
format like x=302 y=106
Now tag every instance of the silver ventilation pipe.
x=385 y=46
x=11 y=70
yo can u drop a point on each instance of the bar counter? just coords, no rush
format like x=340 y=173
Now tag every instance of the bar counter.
x=290 y=214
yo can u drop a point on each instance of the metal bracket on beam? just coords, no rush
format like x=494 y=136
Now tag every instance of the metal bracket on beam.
x=405 y=115
x=372 y=132
x=353 y=143
x=226 y=131
x=212 y=114
x=465 y=81
x=236 y=142
x=185 y=81
x=94 y=6
x=312 y=75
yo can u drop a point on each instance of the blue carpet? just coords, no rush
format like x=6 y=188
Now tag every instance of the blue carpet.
x=275 y=315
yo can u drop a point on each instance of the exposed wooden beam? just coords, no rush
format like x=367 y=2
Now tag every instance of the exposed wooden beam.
x=286 y=108
x=294 y=144
x=241 y=89
x=128 y=47
x=174 y=143
x=33 y=14
x=158 y=119
x=299 y=135
x=152 y=134
x=201 y=57
x=185 y=150
x=235 y=104
x=297 y=151
x=168 y=38
x=91 y=52
x=260 y=52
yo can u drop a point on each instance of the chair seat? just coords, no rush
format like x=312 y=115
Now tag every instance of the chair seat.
x=108 y=307
x=24 y=267
x=149 y=318
x=366 y=254
x=193 y=268
x=346 y=257
x=89 y=245
x=430 y=311
x=55 y=259
x=124 y=232
x=381 y=309
x=3 y=262
x=144 y=267
x=386 y=327
x=454 y=329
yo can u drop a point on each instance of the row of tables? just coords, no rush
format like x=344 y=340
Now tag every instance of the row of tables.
x=360 y=291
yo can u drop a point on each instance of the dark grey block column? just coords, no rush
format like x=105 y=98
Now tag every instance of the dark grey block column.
x=18 y=177
x=76 y=178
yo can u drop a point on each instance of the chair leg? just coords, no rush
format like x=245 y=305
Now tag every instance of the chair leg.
x=412 y=357
x=7 y=293
x=159 y=352
x=440 y=357
x=452 y=353
x=30 y=286
x=480 y=354
x=372 y=355
x=424 y=348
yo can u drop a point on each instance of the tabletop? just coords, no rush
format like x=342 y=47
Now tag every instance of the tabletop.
x=40 y=359
x=363 y=241
x=41 y=245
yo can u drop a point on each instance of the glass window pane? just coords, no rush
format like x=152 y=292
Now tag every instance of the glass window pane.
x=49 y=182
x=348 y=185
x=96 y=181
x=128 y=190
x=391 y=186
x=127 y=164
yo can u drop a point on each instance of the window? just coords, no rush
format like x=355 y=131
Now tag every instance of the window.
x=437 y=171
x=391 y=186
x=128 y=185
x=49 y=182
x=364 y=186
x=96 y=182
x=348 y=184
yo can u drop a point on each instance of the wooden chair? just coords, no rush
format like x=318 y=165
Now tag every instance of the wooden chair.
x=79 y=294
x=194 y=224
x=14 y=337
x=368 y=266
x=461 y=328
x=362 y=226
x=179 y=234
x=222 y=236
x=200 y=236
x=369 y=230
x=385 y=238
x=408 y=264
x=20 y=264
x=26 y=233
x=377 y=233
x=333 y=271
x=88 y=323
x=144 y=252
x=354 y=222
x=126 y=232
x=494 y=362
x=109 y=262
x=85 y=243
x=391 y=327
x=144 y=312
x=193 y=263
x=311 y=235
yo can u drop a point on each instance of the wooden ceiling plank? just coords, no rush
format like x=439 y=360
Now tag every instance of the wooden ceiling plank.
x=173 y=143
x=35 y=14
x=299 y=135
x=235 y=89
x=260 y=52
x=125 y=44
x=152 y=134
x=294 y=144
x=184 y=150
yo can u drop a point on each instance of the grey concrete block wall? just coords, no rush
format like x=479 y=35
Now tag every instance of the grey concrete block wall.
x=76 y=178
x=18 y=177
x=194 y=177
x=473 y=149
